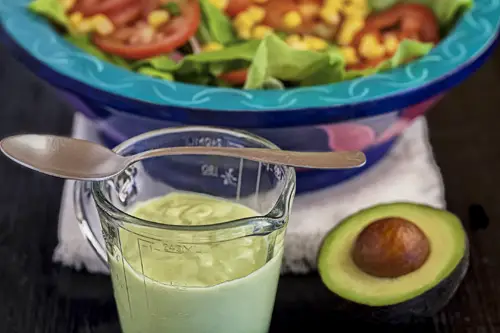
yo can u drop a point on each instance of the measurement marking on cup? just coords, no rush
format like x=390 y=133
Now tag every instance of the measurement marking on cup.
x=175 y=248
x=228 y=178
x=204 y=141
x=139 y=246
x=209 y=170
x=125 y=278
x=257 y=187
x=278 y=172
x=240 y=174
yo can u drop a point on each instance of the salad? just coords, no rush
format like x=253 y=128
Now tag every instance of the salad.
x=254 y=44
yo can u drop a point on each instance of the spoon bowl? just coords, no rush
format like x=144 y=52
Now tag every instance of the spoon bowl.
x=63 y=157
x=77 y=159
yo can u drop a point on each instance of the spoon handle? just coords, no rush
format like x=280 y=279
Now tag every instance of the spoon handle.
x=316 y=160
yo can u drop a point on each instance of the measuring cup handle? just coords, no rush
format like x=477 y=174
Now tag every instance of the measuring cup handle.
x=81 y=216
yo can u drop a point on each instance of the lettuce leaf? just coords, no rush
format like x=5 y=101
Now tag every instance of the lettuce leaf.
x=241 y=51
x=216 y=62
x=52 y=10
x=161 y=63
x=155 y=73
x=276 y=59
x=215 y=26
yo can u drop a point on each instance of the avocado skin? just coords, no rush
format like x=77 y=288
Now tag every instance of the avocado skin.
x=425 y=305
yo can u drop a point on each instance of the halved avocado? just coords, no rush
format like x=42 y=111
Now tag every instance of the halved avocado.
x=392 y=262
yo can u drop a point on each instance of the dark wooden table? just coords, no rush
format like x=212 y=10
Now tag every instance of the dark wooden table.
x=37 y=296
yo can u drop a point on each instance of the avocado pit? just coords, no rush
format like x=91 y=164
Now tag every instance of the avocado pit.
x=390 y=248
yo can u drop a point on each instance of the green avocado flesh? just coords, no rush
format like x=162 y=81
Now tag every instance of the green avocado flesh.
x=340 y=274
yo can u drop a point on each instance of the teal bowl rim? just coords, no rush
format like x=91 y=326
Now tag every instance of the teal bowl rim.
x=473 y=35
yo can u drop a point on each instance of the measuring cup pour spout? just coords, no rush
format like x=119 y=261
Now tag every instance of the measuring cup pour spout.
x=278 y=217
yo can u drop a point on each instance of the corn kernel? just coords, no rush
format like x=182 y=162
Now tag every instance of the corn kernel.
x=256 y=13
x=144 y=35
x=355 y=12
x=350 y=56
x=147 y=34
x=292 y=19
x=76 y=18
x=294 y=41
x=315 y=43
x=348 y=30
x=244 y=33
x=212 y=46
x=247 y=19
x=330 y=15
x=325 y=31
x=355 y=9
x=102 y=24
x=158 y=17
x=370 y=48
x=260 y=31
x=333 y=4
x=359 y=2
x=68 y=4
x=85 y=26
x=221 y=4
x=391 y=43
x=299 y=46
x=369 y=39
x=243 y=21
x=309 y=9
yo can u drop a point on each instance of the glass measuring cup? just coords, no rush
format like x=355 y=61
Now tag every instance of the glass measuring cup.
x=218 y=278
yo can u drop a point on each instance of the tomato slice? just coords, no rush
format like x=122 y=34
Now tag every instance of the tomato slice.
x=92 y=7
x=123 y=16
x=236 y=77
x=176 y=32
x=275 y=10
x=148 y=6
x=409 y=20
x=234 y=7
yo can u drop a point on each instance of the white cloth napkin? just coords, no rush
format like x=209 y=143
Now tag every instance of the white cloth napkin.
x=408 y=173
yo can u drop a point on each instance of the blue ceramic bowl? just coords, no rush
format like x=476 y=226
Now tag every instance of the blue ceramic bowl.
x=367 y=113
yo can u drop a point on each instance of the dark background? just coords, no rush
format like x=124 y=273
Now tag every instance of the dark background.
x=37 y=296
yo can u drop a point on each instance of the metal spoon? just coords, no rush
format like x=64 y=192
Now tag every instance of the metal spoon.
x=84 y=160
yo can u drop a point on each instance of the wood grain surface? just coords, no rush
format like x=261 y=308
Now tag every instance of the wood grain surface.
x=37 y=296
